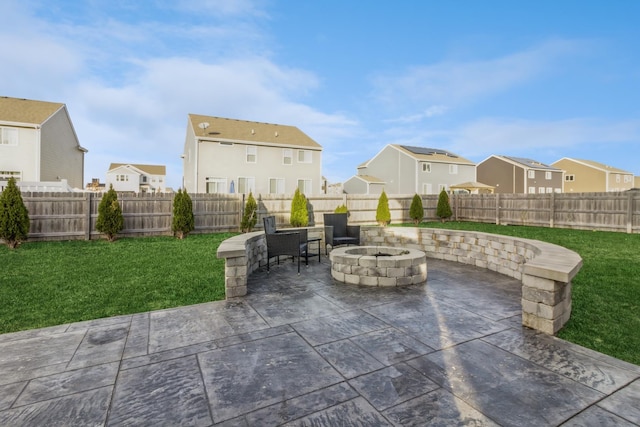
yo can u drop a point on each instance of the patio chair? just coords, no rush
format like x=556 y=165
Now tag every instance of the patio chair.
x=337 y=232
x=289 y=243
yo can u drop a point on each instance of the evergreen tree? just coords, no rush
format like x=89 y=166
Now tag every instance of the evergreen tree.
x=14 y=217
x=250 y=216
x=110 y=220
x=183 y=221
x=383 y=215
x=341 y=209
x=443 y=211
x=416 y=211
x=299 y=212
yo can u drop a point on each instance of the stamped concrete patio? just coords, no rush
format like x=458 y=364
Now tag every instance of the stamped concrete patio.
x=305 y=350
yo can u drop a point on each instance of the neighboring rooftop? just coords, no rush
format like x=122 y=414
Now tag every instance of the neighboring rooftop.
x=18 y=110
x=233 y=130
x=534 y=164
x=432 y=154
x=150 y=169
x=597 y=165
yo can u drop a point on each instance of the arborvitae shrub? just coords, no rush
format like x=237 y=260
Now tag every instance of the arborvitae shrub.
x=14 y=217
x=250 y=216
x=383 y=215
x=110 y=220
x=183 y=222
x=341 y=209
x=443 y=211
x=416 y=211
x=299 y=212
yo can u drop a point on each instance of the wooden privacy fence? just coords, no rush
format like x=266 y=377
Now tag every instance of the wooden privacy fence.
x=72 y=216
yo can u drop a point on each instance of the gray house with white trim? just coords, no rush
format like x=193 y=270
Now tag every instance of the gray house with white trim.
x=403 y=169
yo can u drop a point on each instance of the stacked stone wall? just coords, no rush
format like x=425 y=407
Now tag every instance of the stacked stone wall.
x=545 y=270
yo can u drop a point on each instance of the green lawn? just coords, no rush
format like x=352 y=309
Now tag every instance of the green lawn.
x=605 y=313
x=51 y=283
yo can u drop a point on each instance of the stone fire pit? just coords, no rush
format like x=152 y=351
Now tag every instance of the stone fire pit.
x=378 y=266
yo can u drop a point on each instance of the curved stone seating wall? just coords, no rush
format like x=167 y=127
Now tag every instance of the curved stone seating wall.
x=545 y=270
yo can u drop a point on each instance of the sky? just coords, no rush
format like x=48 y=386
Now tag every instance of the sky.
x=542 y=79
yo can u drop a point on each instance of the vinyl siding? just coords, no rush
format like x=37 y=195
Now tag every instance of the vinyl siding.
x=23 y=157
x=60 y=155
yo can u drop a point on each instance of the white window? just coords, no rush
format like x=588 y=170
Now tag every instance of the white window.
x=547 y=175
x=441 y=187
x=618 y=177
x=540 y=190
x=8 y=136
x=549 y=190
x=427 y=189
x=531 y=174
x=122 y=178
x=252 y=154
x=246 y=184
x=570 y=177
x=287 y=156
x=532 y=190
x=426 y=167
x=217 y=185
x=276 y=185
x=304 y=185
x=453 y=169
x=304 y=156
x=627 y=178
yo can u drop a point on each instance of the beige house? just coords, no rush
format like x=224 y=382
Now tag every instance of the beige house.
x=38 y=144
x=403 y=169
x=519 y=175
x=137 y=178
x=237 y=156
x=584 y=176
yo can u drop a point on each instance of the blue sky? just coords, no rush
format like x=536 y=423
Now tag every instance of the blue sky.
x=538 y=79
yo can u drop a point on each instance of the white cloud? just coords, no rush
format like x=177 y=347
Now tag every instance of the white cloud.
x=504 y=136
x=432 y=111
x=451 y=83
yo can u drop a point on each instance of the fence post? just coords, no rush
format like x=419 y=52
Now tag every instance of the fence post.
x=630 y=211
x=497 y=208
x=87 y=216
x=552 y=209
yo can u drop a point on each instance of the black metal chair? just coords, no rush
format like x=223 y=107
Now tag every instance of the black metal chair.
x=290 y=243
x=337 y=232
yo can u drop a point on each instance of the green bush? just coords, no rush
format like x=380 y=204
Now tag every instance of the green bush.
x=443 y=211
x=14 y=217
x=341 y=209
x=110 y=220
x=183 y=221
x=383 y=215
x=416 y=211
x=250 y=216
x=299 y=211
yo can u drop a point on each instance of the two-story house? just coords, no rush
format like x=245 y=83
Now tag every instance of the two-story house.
x=519 y=175
x=403 y=169
x=238 y=156
x=137 y=178
x=38 y=143
x=584 y=176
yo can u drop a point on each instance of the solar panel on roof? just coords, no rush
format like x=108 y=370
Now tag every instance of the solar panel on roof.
x=428 y=151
